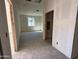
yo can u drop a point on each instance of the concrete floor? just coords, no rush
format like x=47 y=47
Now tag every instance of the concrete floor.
x=32 y=46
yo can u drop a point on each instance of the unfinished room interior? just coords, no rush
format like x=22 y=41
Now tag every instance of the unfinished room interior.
x=38 y=29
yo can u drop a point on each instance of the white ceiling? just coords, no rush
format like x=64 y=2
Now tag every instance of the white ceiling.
x=29 y=8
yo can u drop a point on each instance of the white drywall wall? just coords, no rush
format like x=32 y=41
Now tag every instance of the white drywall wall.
x=49 y=5
x=64 y=23
x=24 y=23
x=3 y=29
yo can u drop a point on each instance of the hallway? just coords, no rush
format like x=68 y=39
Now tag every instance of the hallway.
x=36 y=48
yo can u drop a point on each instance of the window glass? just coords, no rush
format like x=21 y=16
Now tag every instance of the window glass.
x=31 y=21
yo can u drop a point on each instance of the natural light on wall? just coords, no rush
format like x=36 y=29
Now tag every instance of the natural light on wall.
x=31 y=21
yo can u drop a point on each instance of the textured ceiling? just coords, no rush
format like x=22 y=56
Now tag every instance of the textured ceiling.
x=29 y=8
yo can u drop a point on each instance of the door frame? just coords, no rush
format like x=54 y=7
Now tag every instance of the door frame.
x=11 y=24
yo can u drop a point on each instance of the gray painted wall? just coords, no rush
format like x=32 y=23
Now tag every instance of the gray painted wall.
x=3 y=29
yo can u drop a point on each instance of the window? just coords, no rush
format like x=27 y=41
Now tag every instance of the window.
x=31 y=21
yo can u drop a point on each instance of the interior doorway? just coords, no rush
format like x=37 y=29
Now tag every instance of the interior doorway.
x=49 y=25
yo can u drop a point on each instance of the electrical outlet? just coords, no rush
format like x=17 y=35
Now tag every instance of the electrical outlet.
x=56 y=42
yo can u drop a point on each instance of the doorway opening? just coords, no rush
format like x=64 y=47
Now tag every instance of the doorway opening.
x=49 y=25
x=26 y=24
